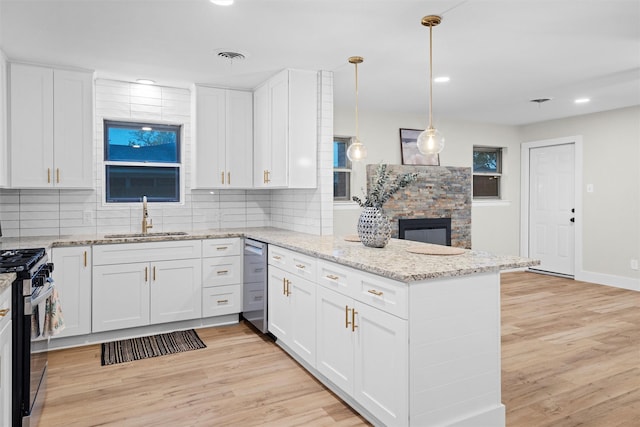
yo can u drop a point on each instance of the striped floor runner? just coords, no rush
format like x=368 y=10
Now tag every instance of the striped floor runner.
x=153 y=346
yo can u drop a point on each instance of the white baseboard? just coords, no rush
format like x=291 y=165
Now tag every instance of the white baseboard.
x=609 y=280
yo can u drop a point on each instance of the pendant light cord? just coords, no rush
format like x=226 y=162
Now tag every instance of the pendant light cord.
x=430 y=76
x=357 y=127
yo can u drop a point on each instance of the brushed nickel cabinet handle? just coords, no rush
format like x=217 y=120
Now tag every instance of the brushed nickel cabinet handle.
x=332 y=277
x=58 y=175
x=223 y=301
x=221 y=248
x=288 y=292
x=146 y=274
x=85 y=258
x=222 y=271
x=300 y=266
x=353 y=320
x=48 y=175
x=222 y=177
x=228 y=178
x=154 y=273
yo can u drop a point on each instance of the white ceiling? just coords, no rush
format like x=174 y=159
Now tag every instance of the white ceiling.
x=499 y=54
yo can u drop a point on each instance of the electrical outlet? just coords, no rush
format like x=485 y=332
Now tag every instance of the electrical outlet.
x=87 y=218
x=634 y=264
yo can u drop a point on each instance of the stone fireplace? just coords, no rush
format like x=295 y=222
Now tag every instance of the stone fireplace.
x=439 y=193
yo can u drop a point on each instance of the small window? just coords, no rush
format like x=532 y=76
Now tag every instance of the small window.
x=341 y=169
x=487 y=172
x=141 y=159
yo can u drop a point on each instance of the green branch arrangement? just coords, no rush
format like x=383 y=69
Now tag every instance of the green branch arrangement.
x=383 y=189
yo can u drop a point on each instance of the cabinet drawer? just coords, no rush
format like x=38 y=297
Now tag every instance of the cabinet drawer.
x=386 y=294
x=293 y=262
x=382 y=293
x=335 y=276
x=221 y=247
x=221 y=271
x=125 y=253
x=221 y=300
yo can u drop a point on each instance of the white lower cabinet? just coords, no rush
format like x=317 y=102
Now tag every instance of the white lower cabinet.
x=364 y=351
x=5 y=357
x=221 y=277
x=175 y=290
x=163 y=288
x=120 y=296
x=72 y=274
x=292 y=312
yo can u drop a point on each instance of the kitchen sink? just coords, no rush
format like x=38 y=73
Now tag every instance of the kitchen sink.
x=159 y=234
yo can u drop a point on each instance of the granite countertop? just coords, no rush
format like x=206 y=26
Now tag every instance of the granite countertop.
x=6 y=279
x=392 y=261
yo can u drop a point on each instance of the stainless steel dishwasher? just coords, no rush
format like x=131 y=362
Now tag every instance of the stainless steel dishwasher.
x=254 y=305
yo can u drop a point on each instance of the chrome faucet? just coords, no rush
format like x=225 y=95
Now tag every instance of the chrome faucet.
x=147 y=222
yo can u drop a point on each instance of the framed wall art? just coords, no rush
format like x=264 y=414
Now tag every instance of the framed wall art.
x=409 y=150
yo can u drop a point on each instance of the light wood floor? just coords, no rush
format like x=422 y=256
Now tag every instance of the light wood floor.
x=570 y=357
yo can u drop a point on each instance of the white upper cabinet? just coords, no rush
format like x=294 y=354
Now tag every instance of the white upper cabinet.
x=51 y=127
x=4 y=164
x=285 y=131
x=222 y=152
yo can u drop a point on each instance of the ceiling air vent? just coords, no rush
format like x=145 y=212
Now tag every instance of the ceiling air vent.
x=233 y=56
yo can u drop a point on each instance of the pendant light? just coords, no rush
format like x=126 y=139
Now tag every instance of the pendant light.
x=430 y=141
x=356 y=151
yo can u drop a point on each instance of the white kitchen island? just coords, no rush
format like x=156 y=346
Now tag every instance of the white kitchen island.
x=406 y=339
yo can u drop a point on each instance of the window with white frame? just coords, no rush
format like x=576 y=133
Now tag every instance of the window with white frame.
x=141 y=159
x=341 y=169
x=487 y=172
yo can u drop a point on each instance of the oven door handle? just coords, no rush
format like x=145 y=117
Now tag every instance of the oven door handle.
x=31 y=302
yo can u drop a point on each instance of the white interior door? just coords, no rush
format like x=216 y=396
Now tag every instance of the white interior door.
x=551 y=207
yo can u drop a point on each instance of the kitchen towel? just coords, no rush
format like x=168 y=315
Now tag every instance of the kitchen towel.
x=53 y=320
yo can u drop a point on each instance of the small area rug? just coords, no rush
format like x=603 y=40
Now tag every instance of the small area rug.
x=153 y=346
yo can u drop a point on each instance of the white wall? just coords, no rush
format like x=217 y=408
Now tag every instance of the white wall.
x=494 y=227
x=611 y=213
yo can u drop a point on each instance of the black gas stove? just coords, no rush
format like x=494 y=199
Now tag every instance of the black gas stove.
x=20 y=260
x=29 y=294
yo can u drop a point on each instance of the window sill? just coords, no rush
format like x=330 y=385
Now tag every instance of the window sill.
x=491 y=202
x=345 y=205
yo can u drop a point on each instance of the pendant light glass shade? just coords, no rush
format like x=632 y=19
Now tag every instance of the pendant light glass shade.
x=356 y=151
x=430 y=141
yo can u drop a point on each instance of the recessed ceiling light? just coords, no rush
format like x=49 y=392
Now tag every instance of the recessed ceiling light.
x=222 y=2
x=582 y=100
x=442 y=79
x=145 y=81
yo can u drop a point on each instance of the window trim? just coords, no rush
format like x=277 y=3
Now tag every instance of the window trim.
x=180 y=164
x=499 y=173
x=348 y=168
